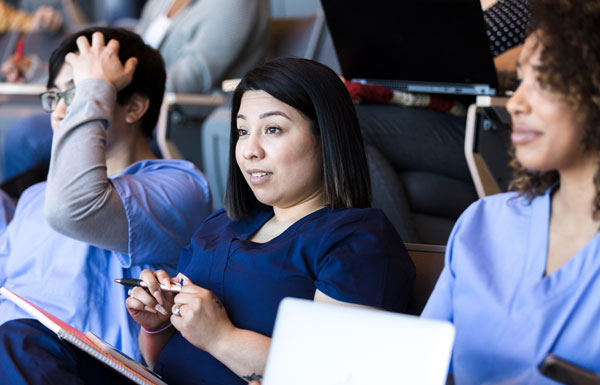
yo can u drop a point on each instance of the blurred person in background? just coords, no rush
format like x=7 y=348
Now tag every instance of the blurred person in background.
x=44 y=18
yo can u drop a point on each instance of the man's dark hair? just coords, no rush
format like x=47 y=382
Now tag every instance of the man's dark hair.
x=321 y=97
x=149 y=76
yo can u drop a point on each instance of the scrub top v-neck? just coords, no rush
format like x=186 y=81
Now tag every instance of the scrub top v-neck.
x=508 y=314
x=352 y=255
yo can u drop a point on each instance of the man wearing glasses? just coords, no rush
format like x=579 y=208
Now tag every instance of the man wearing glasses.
x=51 y=98
x=109 y=209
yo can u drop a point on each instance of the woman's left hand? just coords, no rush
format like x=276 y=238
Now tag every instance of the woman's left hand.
x=200 y=317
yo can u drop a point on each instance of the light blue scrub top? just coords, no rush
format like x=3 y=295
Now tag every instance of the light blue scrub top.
x=165 y=202
x=508 y=314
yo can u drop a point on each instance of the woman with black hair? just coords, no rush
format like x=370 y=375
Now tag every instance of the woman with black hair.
x=296 y=223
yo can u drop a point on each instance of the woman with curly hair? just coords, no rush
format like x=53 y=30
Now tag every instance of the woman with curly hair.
x=522 y=270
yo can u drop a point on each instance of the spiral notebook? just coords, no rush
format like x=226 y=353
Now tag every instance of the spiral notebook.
x=87 y=342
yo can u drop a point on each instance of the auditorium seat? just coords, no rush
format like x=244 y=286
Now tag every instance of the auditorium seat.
x=429 y=262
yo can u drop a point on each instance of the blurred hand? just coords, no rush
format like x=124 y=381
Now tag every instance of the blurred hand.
x=202 y=318
x=100 y=61
x=151 y=309
x=14 y=71
x=47 y=18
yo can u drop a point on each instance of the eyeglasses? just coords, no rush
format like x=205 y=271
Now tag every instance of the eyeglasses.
x=50 y=99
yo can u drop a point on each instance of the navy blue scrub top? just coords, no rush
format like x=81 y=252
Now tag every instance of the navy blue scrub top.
x=352 y=255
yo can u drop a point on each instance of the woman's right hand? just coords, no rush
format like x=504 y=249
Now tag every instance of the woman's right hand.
x=152 y=308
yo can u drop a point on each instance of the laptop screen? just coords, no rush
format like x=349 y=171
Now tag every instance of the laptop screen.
x=441 y=45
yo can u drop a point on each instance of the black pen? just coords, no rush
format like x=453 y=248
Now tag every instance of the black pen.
x=138 y=282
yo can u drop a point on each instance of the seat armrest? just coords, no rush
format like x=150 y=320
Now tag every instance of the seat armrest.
x=167 y=148
x=16 y=92
x=483 y=179
x=491 y=101
x=426 y=248
x=429 y=262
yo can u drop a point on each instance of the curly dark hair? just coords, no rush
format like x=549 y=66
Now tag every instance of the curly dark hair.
x=569 y=33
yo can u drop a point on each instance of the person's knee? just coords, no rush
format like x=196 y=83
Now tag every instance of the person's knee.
x=16 y=335
x=28 y=337
x=20 y=327
x=27 y=143
x=30 y=130
x=31 y=353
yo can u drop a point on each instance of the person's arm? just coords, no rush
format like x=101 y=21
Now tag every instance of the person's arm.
x=151 y=310
x=440 y=304
x=205 y=324
x=243 y=351
x=362 y=260
x=217 y=43
x=203 y=321
x=81 y=202
x=151 y=344
x=363 y=244
x=506 y=68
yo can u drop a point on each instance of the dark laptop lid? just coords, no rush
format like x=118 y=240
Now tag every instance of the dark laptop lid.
x=438 y=46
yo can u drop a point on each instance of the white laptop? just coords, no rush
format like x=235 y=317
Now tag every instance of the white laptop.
x=324 y=344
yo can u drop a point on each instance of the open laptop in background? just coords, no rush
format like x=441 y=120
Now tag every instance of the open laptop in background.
x=325 y=344
x=428 y=46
